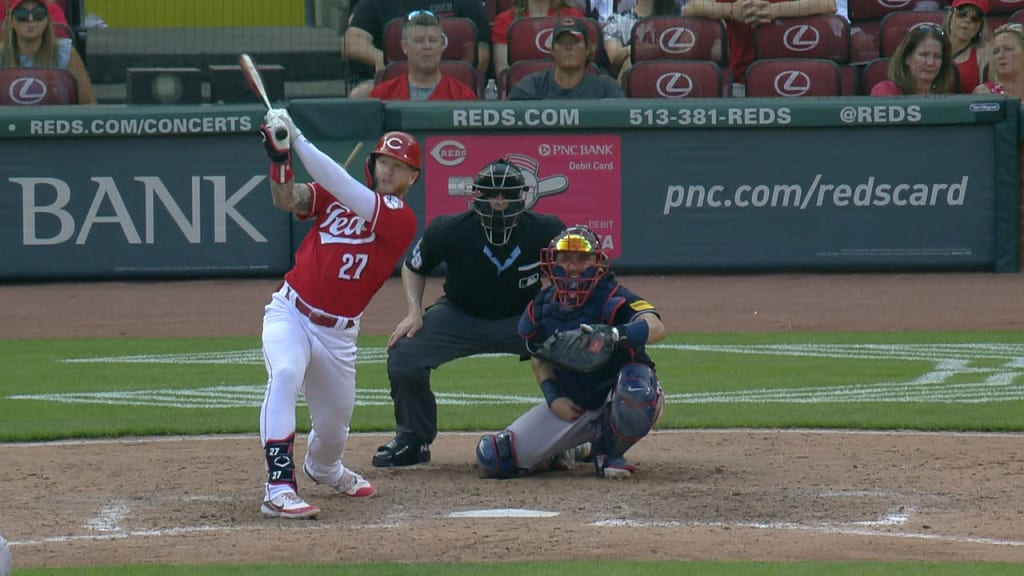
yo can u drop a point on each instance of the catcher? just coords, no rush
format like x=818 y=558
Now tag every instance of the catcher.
x=586 y=334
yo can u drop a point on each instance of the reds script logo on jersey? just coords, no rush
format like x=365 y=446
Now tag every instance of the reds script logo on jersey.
x=343 y=226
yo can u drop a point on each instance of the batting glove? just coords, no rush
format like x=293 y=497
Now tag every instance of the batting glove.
x=280 y=116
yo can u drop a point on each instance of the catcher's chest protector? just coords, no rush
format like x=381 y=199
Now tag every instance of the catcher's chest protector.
x=600 y=308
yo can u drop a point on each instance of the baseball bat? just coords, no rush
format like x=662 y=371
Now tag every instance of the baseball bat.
x=352 y=155
x=255 y=82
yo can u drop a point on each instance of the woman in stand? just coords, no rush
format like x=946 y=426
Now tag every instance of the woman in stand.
x=1007 y=62
x=29 y=41
x=966 y=29
x=921 y=66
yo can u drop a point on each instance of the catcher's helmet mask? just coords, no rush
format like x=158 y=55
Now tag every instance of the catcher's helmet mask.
x=498 y=199
x=574 y=278
x=398 y=145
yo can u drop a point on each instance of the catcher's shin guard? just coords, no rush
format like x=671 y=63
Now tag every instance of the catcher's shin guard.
x=635 y=408
x=496 y=455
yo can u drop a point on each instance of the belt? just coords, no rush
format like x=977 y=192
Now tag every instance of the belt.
x=319 y=318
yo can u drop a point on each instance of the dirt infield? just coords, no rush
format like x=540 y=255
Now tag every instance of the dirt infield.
x=759 y=495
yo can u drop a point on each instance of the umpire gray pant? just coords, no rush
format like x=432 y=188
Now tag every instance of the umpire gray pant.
x=447 y=334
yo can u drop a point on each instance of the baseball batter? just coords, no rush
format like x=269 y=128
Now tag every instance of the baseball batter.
x=312 y=321
x=492 y=255
x=612 y=407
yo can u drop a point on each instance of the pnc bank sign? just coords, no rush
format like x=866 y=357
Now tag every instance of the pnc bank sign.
x=49 y=218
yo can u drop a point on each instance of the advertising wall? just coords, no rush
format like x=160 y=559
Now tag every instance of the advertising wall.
x=816 y=184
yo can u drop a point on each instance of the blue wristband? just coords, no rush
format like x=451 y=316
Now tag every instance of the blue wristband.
x=636 y=332
x=550 y=389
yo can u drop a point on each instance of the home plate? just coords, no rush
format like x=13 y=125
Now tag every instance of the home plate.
x=503 y=513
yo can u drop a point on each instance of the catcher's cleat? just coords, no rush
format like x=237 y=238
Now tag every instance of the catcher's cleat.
x=567 y=460
x=350 y=484
x=288 y=505
x=615 y=467
x=401 y=453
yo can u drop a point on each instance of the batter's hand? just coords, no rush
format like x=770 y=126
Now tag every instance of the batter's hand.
x=407 y=328
x=279 y=117
x=566 y=409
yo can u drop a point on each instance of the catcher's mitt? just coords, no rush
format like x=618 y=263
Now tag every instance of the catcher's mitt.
x=584 y=350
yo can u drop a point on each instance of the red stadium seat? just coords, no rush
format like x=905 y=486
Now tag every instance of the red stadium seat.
x=530 y=38
x=860 y=10
x=896 y=25
x=459 y=69
x=876 y=71
x=995 y=21
x=793 y=77
x=864 y=40
x=461 y=34
x=1002 y=7
x=1017 y=16
x=850 y=77
x=825 y=36
x=518 y=70
x=37 y=86
x=673 y=79
x=678 y=37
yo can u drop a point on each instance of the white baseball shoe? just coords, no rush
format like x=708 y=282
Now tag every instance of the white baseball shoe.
x=567 y=460
x=350 y=484
x=288 y=505
x=615 y=468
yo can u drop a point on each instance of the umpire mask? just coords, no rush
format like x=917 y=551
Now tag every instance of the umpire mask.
x=498 y=200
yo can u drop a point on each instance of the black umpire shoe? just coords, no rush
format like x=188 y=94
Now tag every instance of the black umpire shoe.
x=401 y=453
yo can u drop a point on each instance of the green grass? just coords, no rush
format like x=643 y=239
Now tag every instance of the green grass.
x=688 y=376
x=32 y=367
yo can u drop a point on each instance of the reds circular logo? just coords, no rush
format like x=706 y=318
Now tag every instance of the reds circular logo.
x=792 y=83
x=674 y=85
x=27 y=91
x=449 y=152
x=677 y=40
x=801 y=38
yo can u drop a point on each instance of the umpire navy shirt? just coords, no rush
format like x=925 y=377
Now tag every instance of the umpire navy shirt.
x=483 y=280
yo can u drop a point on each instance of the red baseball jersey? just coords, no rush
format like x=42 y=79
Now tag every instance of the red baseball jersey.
x=344 y=260
x=398 y=89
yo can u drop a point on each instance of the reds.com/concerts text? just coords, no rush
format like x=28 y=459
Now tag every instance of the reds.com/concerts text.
x=817 y=195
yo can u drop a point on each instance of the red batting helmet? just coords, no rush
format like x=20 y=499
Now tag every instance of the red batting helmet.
x=398 y=145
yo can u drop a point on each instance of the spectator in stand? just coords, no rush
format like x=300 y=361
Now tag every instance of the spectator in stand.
x=568 y=79
x=618 y=28
x=921 y=66
x=56 y=12
x=1007 y=62
x=363 y=41
x=966 y=29
x=29 y=41
x=423 y=43
x=742 y=16
x=523 y=9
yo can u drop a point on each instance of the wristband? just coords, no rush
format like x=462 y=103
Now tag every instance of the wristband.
x=550 y=389
x=635 y=333
x=281 y=172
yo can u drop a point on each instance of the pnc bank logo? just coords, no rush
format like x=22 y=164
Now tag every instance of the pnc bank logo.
x=792 y=83
x=801 y=38
x=27 y=90
x=674 y=85
x=677 y=40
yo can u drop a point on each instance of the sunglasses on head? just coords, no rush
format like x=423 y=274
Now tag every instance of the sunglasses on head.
x=931 y=27
x=415 y=13
x=38 y=13
x=965 y=12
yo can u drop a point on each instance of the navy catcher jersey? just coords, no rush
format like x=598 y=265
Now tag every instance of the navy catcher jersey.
x=483 y=280
x=610 y=303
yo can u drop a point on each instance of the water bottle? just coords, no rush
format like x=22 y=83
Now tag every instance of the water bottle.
x=491 y=90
